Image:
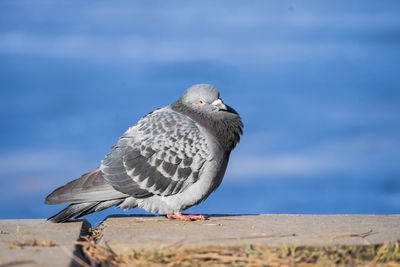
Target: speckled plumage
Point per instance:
(172, 159)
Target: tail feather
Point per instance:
(100, 206)
(87, 194)
(78, 210)
(90, 187)
(71, 211)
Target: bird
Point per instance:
(171, 159)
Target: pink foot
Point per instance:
(189, 217)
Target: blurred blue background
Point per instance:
(317, 84)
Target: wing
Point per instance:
(162, 154)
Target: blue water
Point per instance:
(316, 83)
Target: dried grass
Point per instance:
(29, 243)
(387, 255)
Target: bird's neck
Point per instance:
(226, 129)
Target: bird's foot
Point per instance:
(182, 217)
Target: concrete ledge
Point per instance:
(39, 243)
(123, 234)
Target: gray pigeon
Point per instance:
(172, 159)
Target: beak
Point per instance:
(219, 104)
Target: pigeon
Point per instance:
(171, 159)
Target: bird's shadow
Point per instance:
(208, 216)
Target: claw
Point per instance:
(189, 217)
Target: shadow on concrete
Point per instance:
(208, 216)
(78, 252)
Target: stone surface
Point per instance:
(18, 237)
(140, 232)
(123, 234)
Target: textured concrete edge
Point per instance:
(251, 253)
(257, 255)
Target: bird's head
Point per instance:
(203, 98)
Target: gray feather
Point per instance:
(71, 211)
(89, 187)
(80, 209)
(162, 155)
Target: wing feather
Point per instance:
(162, 154)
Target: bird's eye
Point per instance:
(201, 102)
